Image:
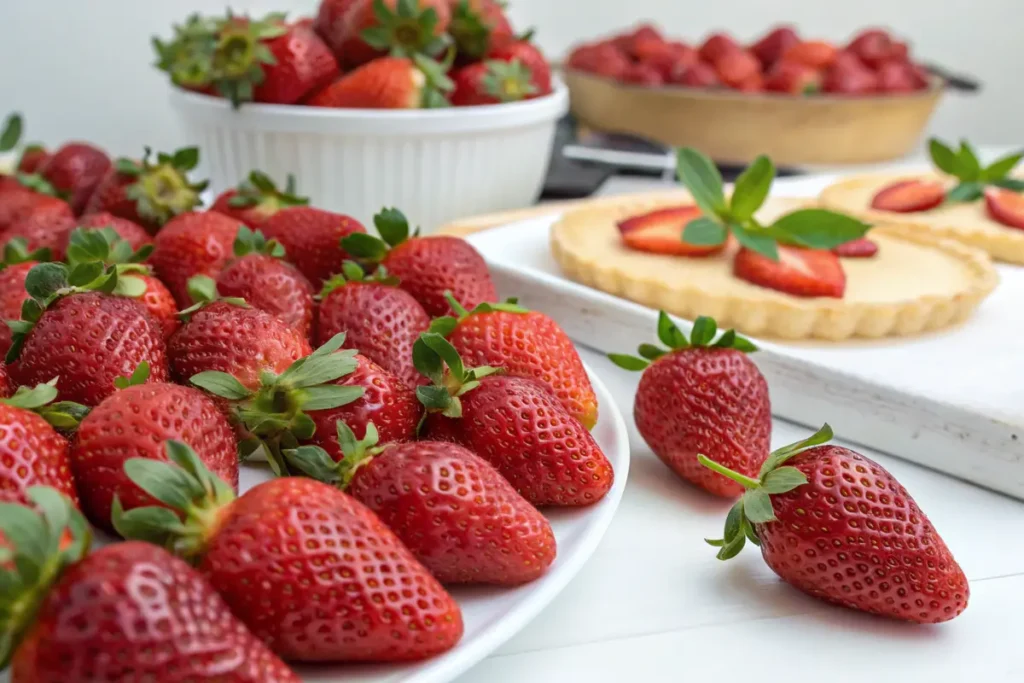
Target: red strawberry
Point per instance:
(799, 272)
(312, 239)
(148, 193)
(737, 67)
(388, 83)
(32, 159)
(839, 527)
(193, 244)
(793, 78)
(6, 386)
(720, 406)
(15, 268)
(42, 231)
(909, 196)
(359, 31)
(294, 552)
(132, 233)
(75, 170)
(661, 232)
(774, 44)
(421, 492)
(478, 26)
(134, 422)
(302, 64)
(32, 453)
(817, 54)
(898, 77)
(602, 60)
(875, 46)
(87, 338)
(378, 319)
(1005, 206)
(650, 50)
(137, 612)
(516, 424)
(642, 74)
(644, 32)
(19, 203)
(859, 248)
(716, 46)
(256, 199)
(527, 54)
(260, 276)
(491, 82)
(523, 344)
(753, 83)
(700, 75)
(848, 76)
(427, 267)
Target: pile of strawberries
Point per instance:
(368, 54)
(781, 61)
(414, 423)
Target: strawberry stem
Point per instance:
(742, 480)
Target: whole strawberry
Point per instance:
(20, 202)
(14, 269)
(294, 552)
(74, 170)
(139, 613)
(377, 318)
(256, 199)
(124, 426)
(492, 82)
(6, 386)
(32, 452)
(47, 230)
(193, 244)
(514, 423)
(532, 59)
(260, 276)
(132, 233)
(312, 239)
(149, 193)
(479, 26)
(360, 31)
(840, 528)
(427, 267)
(388, 83)
(702, 396)
(74, 329)
(32, 158)
(522, 343)
(421, 491)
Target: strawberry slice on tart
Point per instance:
(910, 196)
(1005, 206)
(661, 232)
(799, 271)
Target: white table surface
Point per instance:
(653, 604)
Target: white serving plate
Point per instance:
(950, 400)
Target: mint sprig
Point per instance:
(962, 163)
(809, 228)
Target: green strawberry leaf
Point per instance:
(330, 396)
(702, 178)
(221, 384)
(751, 188)
(46, 279)
(780, 456)
(139, 376)
(627, 362)
(669, 334)
(783, 480)
(704, 330)
(651, 352)
(426, 361)
(392, 225)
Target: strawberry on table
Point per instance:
(359, 31)
(860, 248)
(420, 491)
(74, 170)
(530, 56)
(256, 199)
(388, 83)
(427, 267)
(840, 528)
(134, 606)
(293, 552)
(661, 232)
(909, 196)
(193, 244)
(702, 395)
(312, 239)
(479, 26)
(491, 82)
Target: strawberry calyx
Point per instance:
(16, 251)
(276, 414)
(41, 400)
(436, 359)
(187, 58)
(139, 376)
(202, 289)
(703, 335)
(249, 241)
(10, 132)
(162, 190)
(39, 184)
(508, 81)
(353, 272)
(393, 227)
(470, 31)
(106, 246)
(445, 325)
(963, 164)
(38, 543)
(405, 31)
(195, 497)
(755, 505)
(259, 192)
(315, 462)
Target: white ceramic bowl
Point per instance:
(435, 165)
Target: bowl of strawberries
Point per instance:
(372, 102)
(800, 101)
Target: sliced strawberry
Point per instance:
(859, 248)
(909, 196)
(1005, 206)
(661, 232)
(800, 272)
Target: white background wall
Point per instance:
(81, 68)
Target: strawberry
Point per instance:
(478, 26)
(134, 422)
(716, 46)
(700, 75)
(602, 60)
(798, 272)
(909, 196)
(516, 424)
(32, 452)
(899, 77)
(256, 199)
(73, 329)
(642, 33)
(388, 83)
(312, 239)
(359, 31)
(378, 319)
(6, 386)
(793, 78)
(770, 48)
(859, 248)
(32, 159)
(817, 54)
(302, 64)
(753, 83)
(1005, 206)
(737, 67)
(522, 343)
(14, 269)
(661, 232)
(524, 52)
(672, 59)
(427, 267)
(840, 528)
(146, 193)
(293, 552)
(138, 613)
(848, 76)
(420, 490)
(642, 74)
(19, 202)
(875, 47)
(75, 170)
(719, 405)
(491, 82)
(42, 231)
(229, 336)
(258, 275)
(193, 244)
